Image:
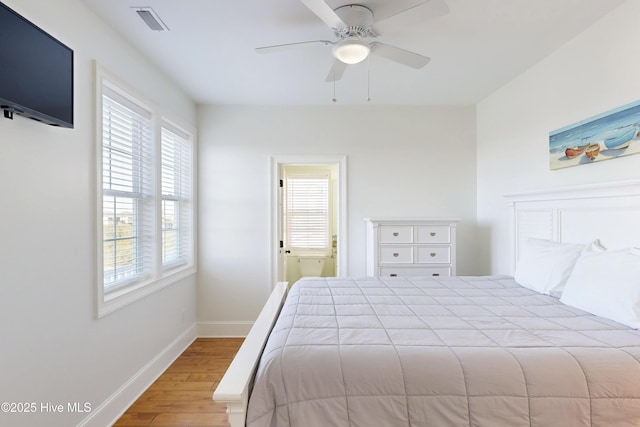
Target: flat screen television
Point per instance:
(36, 72)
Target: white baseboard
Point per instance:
(111, 409)
(223, 329)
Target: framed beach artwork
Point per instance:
(612, 134)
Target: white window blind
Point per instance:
(176, 196)
(307, 212)
(145, 175)
(127, 151)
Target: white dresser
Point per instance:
(411, 247)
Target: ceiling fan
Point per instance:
(354, 25)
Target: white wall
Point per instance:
(593, 73)
(53, 349)
(401, 161)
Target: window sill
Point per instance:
(115, 300)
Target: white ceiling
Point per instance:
(476, 48)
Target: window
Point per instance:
(307, 212)
(176, 193)
(127, 144)
(145, 173)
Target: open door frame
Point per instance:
(339, 161)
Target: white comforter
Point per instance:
(460, 351)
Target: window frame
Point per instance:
(157, 276)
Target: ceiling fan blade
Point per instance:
(324, 12)
(401, 56)
(289, 46)
(336, 71)
(421, 12)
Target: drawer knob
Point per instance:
(395, 254)
(395, 234)
(435, 274)
(433, 254)
(433, 233)
(393, 275)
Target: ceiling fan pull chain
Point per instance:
(334, 86)
(368, 79)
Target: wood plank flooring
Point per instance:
(181, 397)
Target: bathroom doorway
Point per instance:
(309, 217)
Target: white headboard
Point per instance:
(579, 214)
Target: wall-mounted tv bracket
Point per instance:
(8, 112)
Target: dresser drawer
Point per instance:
(433, 255)
(396, 234)
(415, 271)
(396, 254)
(434, 234)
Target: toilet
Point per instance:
(311, 266)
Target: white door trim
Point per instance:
(340, 161)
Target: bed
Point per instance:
(476, 351)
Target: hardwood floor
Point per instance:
(181, 397)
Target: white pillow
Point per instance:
(544, 266)
(607, 284)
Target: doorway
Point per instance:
(288, 245)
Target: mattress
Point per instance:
(459, 351)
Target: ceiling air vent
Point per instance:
(151, 18)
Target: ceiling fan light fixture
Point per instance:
(351, 51)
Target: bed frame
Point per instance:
(235, 386)
(578, 214)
